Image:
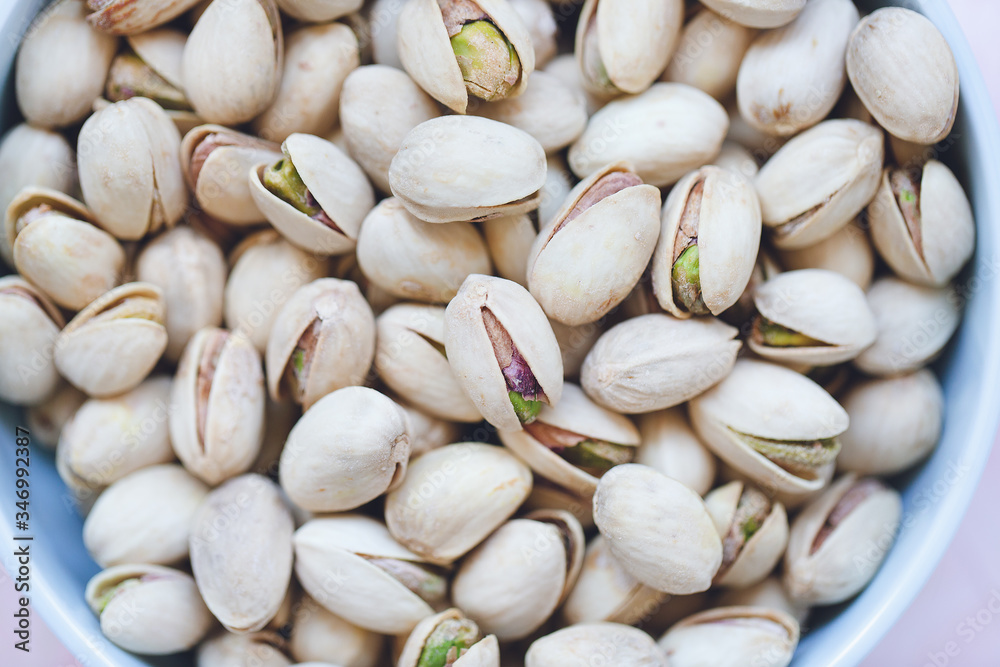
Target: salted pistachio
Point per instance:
(131, 523)
(819, 181)
(769, 594)
(656, 361)
(29, 326)
(319, 11)
(318, 59)
(848, 252)
(372, 566)
(217, 405)
(777, 427)
(113, 343)
(540, 20)
(811, 316)
(502, 351)
(758, 13)
(47, 419)
(782, 100)
(914, 324)
(729, 636)
(241, 552)
(158, 79)
(547, 496)
(449, 639)
(574, 442)
(922, 224)
(228, 649)
(664, 133)
(830, 556)
(669, 445)
(709, 237)
(623, 48)
(548, 110)
(318, 634)
(373, 137)
(442, 521)
(709, 52)
(592, 643)
(455, 49)
(233, 60)
(439, 173)
(735, 157)
(595, 249)
(904, 71)
(323, 339)
(754, 532)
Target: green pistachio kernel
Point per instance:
(110, 593)
(525, 409)
(453, 636)
(775, 335)
(489, 64)
(283, 181)
(686, 279)
(598, 456)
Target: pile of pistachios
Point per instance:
(422, 334)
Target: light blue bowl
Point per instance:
(935, 496)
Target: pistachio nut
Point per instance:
(782, 100)
(80, 494)
(61, 65)
(623, 47)
(47, 419)
(735, 157)
(595, 249)
(319, 11)
(922, 223)
(754, 532)
(151, 68)
(540, 20)
(819, 181)
(318, 634)
(848, 252)
(770, 594)
(440, 511)
(128, 17)
(227, 649)
(113, 343)
(384, 42)
(548, 110)
(592, 643)
(811, 316)
(241, 552)
(546, 496)
(427, 432)
(130, 523)
(574, 443)
(914, 324)
(148, 609)
(323, 339)
(760, 144)
(656, 361)
(233, 60)
(449, 639)
(440, 174)
(757, 13)
(29, 326)
(830, 556)
(455, 49)
(670, 446)
(368, 565)
(664, 133)
(574, 344)
(709, 52)
(58, 247)
(502, 351)
(732, 636)
(217, 405)
(895, 422)
(509, 239)
(373, 136)
(904, 71)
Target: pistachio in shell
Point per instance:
(29, 325)
(754, 532)
(449, 639)
(757, 13)
(733, 635)
(595, 642)
(709, 52)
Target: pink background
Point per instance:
(956, 618)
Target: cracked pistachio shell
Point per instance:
(914, 324)
(819, 181)
(820, 304)
(848, 252)
(579, 415)
(757, 13)
(334, 180)
(770, 594)
(826, 564)
(709, 52)
(548, 110)
(233, 60)
(559, 180)
(549, 497)
(322, 340)
(731, 637)
(656, 361)
(217, 405)
(29, 327)
(241, 552)
(664, 132)
(319, 11)
(895, 422)
(128, 17)
(113, 343)
(426, 52)
(58, 247)
(162, 50)
(727, 234)
(905, 74)
(591, 255)
(509, 239)
(670, 446)
(318, 634)
(768, 401)
(409, 358)
(47, 419)
(472, 354)
(467, 168)
(155, 610)
(756, 556)
(333, 563)
(944, 233)
(594, 643)
(318, 59)
(215, 161)
(227, 649)
(130, 172)
(782, 100)
(61, 66)
(484, 652)
(441, 512)
(131, 523)
(540, 20)
(373, 136)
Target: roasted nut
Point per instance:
(733, 635)
(754, 532)
(709, 52)
(670, 446)
(588, 643)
